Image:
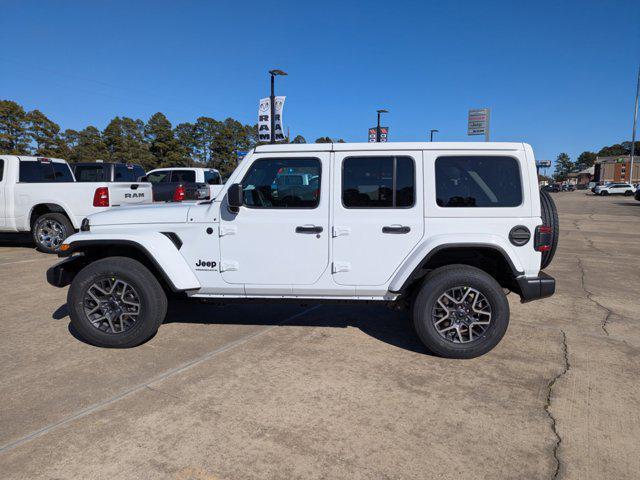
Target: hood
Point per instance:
(143, 214)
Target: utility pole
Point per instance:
(633, 133)
(378, 127)
(272, 101)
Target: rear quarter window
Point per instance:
(478, 181)
(36, 172)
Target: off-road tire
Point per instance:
(58, 219)
(550, 219)
(439, 281)
(153, 302)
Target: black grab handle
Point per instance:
(396, 229)
(308, 229)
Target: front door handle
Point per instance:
(396, 229)
(308, 229)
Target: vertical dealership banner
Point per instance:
(478, 123)
(264, 119)
(384, 133)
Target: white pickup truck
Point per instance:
(41, 195)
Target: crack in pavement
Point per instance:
(607, 311)
(547, 406)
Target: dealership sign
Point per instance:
(264, 119)
(478, 123)
(384, 133)
(543, 163)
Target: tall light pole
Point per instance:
(378, 127)
(432, 132)
(272, 101)
(633, 133)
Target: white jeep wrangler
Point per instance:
(443, 228)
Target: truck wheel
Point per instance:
(50, 230)
(460, 312)
(549, 218)
(116, 302)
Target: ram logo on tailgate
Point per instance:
(134, 195)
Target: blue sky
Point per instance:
(558, 75)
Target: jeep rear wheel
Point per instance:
(116, 302)
(460, 312)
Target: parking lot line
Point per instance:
(174, 371)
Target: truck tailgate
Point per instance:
(128, 193)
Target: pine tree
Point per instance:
(163, 144)
(44, 133)
(14, 138)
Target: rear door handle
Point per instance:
(396, 229)
(308, 229)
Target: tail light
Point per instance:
(543, 238)
(101, 197)
(178, 194)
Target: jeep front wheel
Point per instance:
(116, 302)
(460, 312)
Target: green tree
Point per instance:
(124, 139)
(564, 166)
(86, 145)
(585, 160)
(163, 144)
(323, 140)
(45, 133)
(613, 150)
(205, 130)
(299, 139)
(185, 133)
(231, 137)
(14, 138)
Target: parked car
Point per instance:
(40, 195)
(554, 187)
(441, 228)
(107, 172)
(568, 187)
(614, 189)
(637, 194)
(176, 184)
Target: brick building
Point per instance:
(616, 169)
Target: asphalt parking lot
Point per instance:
(248, 391)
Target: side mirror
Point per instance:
(143, 179)
(235, 196)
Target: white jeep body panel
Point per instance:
(258, 252)
(74, 199)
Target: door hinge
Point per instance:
(341, 267)
(228, 230)
(229, 266)
(340, 231)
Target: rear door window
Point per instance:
(62, 172)
(36, 172)
(478, 181)
(1, 169)
(212, 177)
(127, 173)
(183, 176)
(378, 182)
(159, 177)
(90, 173)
